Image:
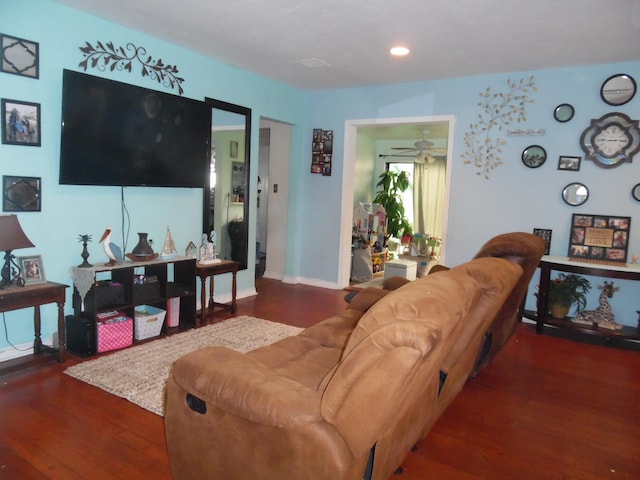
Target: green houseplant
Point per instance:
(564, 291)
(390, 186)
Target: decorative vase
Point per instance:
(559, 311)
(142, 249)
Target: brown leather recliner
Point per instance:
(526, 250)
(344, 399)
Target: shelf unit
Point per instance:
(627, 337)
(125, 286)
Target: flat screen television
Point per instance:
(118, 134)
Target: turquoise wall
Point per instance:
(68, 211)
(514, 198)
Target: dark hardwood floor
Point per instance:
(545, 409)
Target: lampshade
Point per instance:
(11, 234)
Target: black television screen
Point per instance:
(119, 134)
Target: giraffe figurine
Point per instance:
(602, 316)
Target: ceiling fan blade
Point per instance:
(437, 151)
(406, 149)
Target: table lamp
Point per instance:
(11, 238)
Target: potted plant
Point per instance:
(564, 291)
(391, 185)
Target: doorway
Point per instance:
(274, 156)
(353, 133)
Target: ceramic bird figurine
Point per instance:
(111, 249)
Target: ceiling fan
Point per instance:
(424, 149)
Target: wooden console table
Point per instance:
(16, 298)
(563, 264)
(210, 270)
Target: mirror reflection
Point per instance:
(618, 89)
(226, 207)
(575, 194)
(563, 113)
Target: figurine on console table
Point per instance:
(84, 239)
(111, 249)
(208, 250)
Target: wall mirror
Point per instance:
(575, 194)
(618, 89)
(563, 113)
(635, 192)
(226, 197)
(534, 156)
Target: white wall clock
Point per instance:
(611, 140)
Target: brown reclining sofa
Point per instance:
(350, 396)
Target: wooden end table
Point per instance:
(16, 298)
(210, 270)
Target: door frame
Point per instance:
(348, 172)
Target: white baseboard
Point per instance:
(20, 350)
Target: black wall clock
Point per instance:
(611, 140)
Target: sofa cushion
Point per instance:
(429, 299)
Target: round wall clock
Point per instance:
(611, 140)
(534, 156)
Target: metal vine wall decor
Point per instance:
(499, 110)
(107, 55)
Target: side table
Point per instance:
(16, 298)
(627, 337)
(210, 270)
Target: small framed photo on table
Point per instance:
(545, 234)
(32, 269)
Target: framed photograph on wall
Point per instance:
(545, 234)
(322, 152)
(19, 56)
(601, 238)
(20, 122)
(32, 269)
(569, 163)
(21, 194)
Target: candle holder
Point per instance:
(84, 239)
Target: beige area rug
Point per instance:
(139, 373)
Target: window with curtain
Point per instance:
(425, 197)
(407, 195)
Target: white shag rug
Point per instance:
(139, 373)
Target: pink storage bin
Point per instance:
(114, 332)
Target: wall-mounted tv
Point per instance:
(118, 134)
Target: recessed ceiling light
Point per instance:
(399, 51)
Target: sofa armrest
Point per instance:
(365, 298)
(241, 386)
